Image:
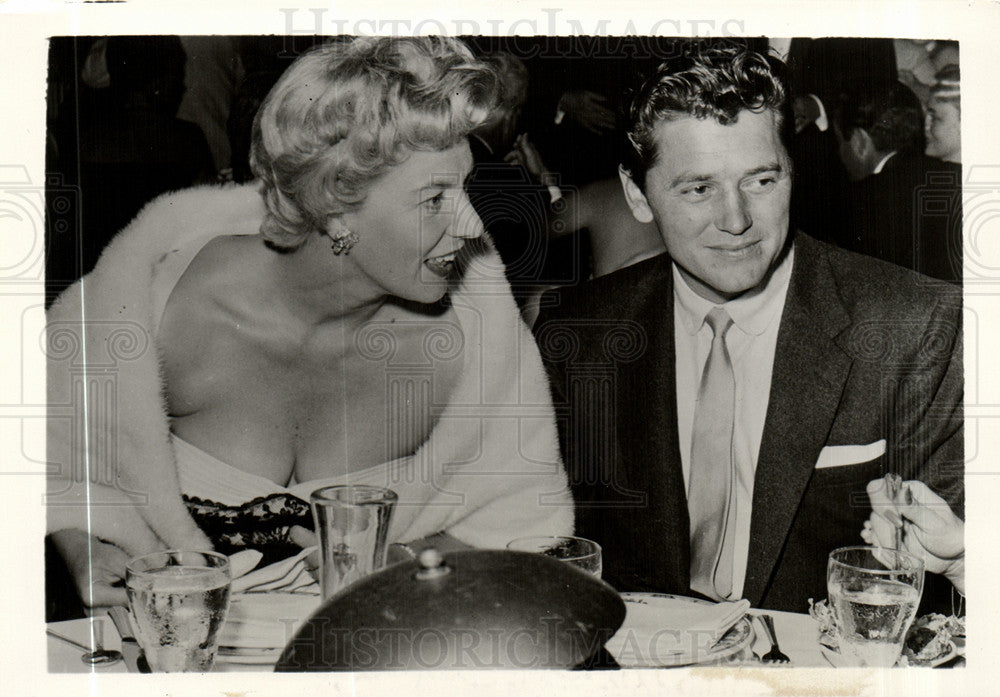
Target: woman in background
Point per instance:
(944, 117)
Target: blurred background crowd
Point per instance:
(876, 146)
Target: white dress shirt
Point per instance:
(751, 341)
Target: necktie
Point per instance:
(711, 490)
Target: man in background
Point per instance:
(904, 206)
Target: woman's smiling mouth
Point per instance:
(442, 265)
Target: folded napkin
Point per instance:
(289, 575)
(662, 629)
(243, 562)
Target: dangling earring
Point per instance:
(343, 239)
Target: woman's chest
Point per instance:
(338, 403)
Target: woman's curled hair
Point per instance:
(346, 112)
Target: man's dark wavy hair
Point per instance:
(891, 115)
(705, 80)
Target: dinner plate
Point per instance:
(647, 640)
(834, 658)
(260, 624)
(247, 656)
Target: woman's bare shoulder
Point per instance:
(221, 280)
(226, 257)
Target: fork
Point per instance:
(774, 655)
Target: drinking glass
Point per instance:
(179, 601)
(352, 523)
(579, 551)
(874, 594)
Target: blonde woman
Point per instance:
(341, 320)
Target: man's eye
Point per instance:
(761, 183)
(697, 191)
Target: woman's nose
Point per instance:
(467, 223)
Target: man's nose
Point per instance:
(734, 213)
(467, 223)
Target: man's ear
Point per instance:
(861, 144)
(635, 198)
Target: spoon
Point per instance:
(100, 655)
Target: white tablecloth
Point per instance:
(797, 636)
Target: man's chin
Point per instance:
(748, 281)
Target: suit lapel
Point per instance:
(808, 379)
(651, 438)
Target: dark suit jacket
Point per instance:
(910, 214)
(866, 351)
(820, 185)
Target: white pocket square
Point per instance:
(841, 455)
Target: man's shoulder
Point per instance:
(621, 293)
(871, 288)
(914, 169)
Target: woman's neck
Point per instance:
(319, 286)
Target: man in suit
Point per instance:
(723, 406)
(903, 206)
(819, 70)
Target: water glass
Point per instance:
(579, 551)
(352, 523)
(179, 601)
(874, 594)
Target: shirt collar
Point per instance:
(881, 164)
(752, 312)
(486, 145)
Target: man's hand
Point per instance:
(932, 531)
(588, 109)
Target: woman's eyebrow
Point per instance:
(445, 181)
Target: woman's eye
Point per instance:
(434, 203)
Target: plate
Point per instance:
(943, 658)
(247, 656)
(262, 623)
(834, 658)
(643, 641)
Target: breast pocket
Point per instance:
(835, 506)
(861, 472)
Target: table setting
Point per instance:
(539, 603)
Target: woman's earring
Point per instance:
(343, 239)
